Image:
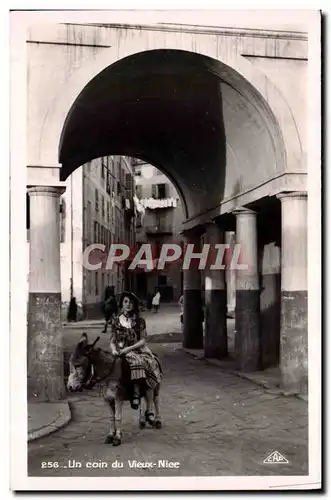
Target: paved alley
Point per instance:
(214, 423)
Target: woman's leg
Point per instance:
(150, 400)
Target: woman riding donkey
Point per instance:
(128, 340)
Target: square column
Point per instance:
(45, 349)
(247, 339)
(216, 340)
(294, 328)
(193, 307)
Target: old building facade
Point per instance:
(96, 208)
(160, 224)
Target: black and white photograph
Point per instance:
(165, 199)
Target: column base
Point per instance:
(45, 348)
(216, 340)
(294, 341)
(247, 341)
(193, 320)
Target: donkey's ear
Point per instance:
(83, 340)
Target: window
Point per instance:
(103, 207)
(158, 191)
(96, 283)
(103, 170)
(108, 187)
(108, 211)
(95, 231)
(96, 201)
(88, 220)
(116, 168)
(129, 184)
(161, 191)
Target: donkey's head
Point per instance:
(81, 365)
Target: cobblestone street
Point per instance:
(214, 423)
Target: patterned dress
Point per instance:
(143, 364)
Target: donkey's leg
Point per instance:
(142, 416)
(110, 400)
(118, 419)
(150, 418)
(158, 421)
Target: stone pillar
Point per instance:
(193, 307)
(45, 350)
(294, 341)
(216, 341)
(247, 340)
(230, 274)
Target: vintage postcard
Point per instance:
(165, 231)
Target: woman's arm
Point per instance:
(113, 349)
(133, 347)
(141, 342)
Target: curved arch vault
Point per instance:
(193, 117)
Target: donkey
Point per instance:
(89, 366)
(119, 389)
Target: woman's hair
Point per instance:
(133, 298)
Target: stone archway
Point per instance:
(225, 129)
(193, 117)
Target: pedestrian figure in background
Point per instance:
(181, 305)
(72, 310)
(156, 301)
(109, 305)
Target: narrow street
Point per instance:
(214, 423)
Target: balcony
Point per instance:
(158, 229)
